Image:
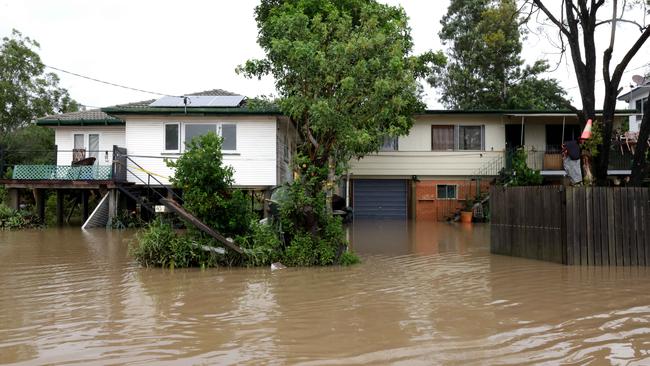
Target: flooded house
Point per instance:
(450, 158)
(120, 151)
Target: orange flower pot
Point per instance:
(466, 216)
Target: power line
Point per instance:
(109, 83)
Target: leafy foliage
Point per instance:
(207, 187)
(520, 174)
(160, 246)
(26, 91)
(11, 219)
(29, 145)
(485, 68)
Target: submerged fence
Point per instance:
(602, 226)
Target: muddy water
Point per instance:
(426, 293)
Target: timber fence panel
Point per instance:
(569, 218)
(575, 225)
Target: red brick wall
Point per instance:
(428, 206)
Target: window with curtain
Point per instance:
(390, 143)
(442, 138)
(470, 138)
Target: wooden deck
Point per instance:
(57, 184)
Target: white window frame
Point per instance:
(447, 185)
(219, 132)
(101, 153)
(178, 143)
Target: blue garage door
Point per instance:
(380, 198)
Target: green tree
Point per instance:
(207, 187)
(26, 91)
(346, 78)
(485, 68)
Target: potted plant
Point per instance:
(466, 213)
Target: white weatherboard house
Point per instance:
(636, 99)
(258, 144)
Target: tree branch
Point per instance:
(641, 27)
(551, 17)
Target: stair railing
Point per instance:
(147, 184)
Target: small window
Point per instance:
(229, 135)
(390, 143)
(442, 138)
(446, 192)
(78, 141)
(194, 130)
(470, 138)
(639, 108)
(171, 137)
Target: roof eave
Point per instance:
(188, 111)
(79, 122)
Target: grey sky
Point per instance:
(176, 47)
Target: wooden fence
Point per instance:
(601, 226)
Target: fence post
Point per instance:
(563, 226)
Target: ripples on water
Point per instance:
(426, 293)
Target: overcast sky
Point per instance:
(178, 47)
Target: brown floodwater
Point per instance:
(426, 293)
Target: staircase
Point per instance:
(173, 201)
(135, 194)
(489, 170)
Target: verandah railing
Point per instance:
(109, 165)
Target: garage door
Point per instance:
(380, 198)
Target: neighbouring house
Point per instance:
(636, 99)
(450, 157)
(123, 148)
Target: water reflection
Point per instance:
(426, 293)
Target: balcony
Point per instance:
(62, 172)
(549, 162)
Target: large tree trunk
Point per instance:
(329, 185)
(640, 162)
(602, 160)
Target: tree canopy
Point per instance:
(485, 69)
(344, 71)
(26, 90)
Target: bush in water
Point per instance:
(160, 246)
(11, 219)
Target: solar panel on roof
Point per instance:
(200, 101)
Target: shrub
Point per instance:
(159, 245)
(262, 247)
(11, 219)
(207, 187)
